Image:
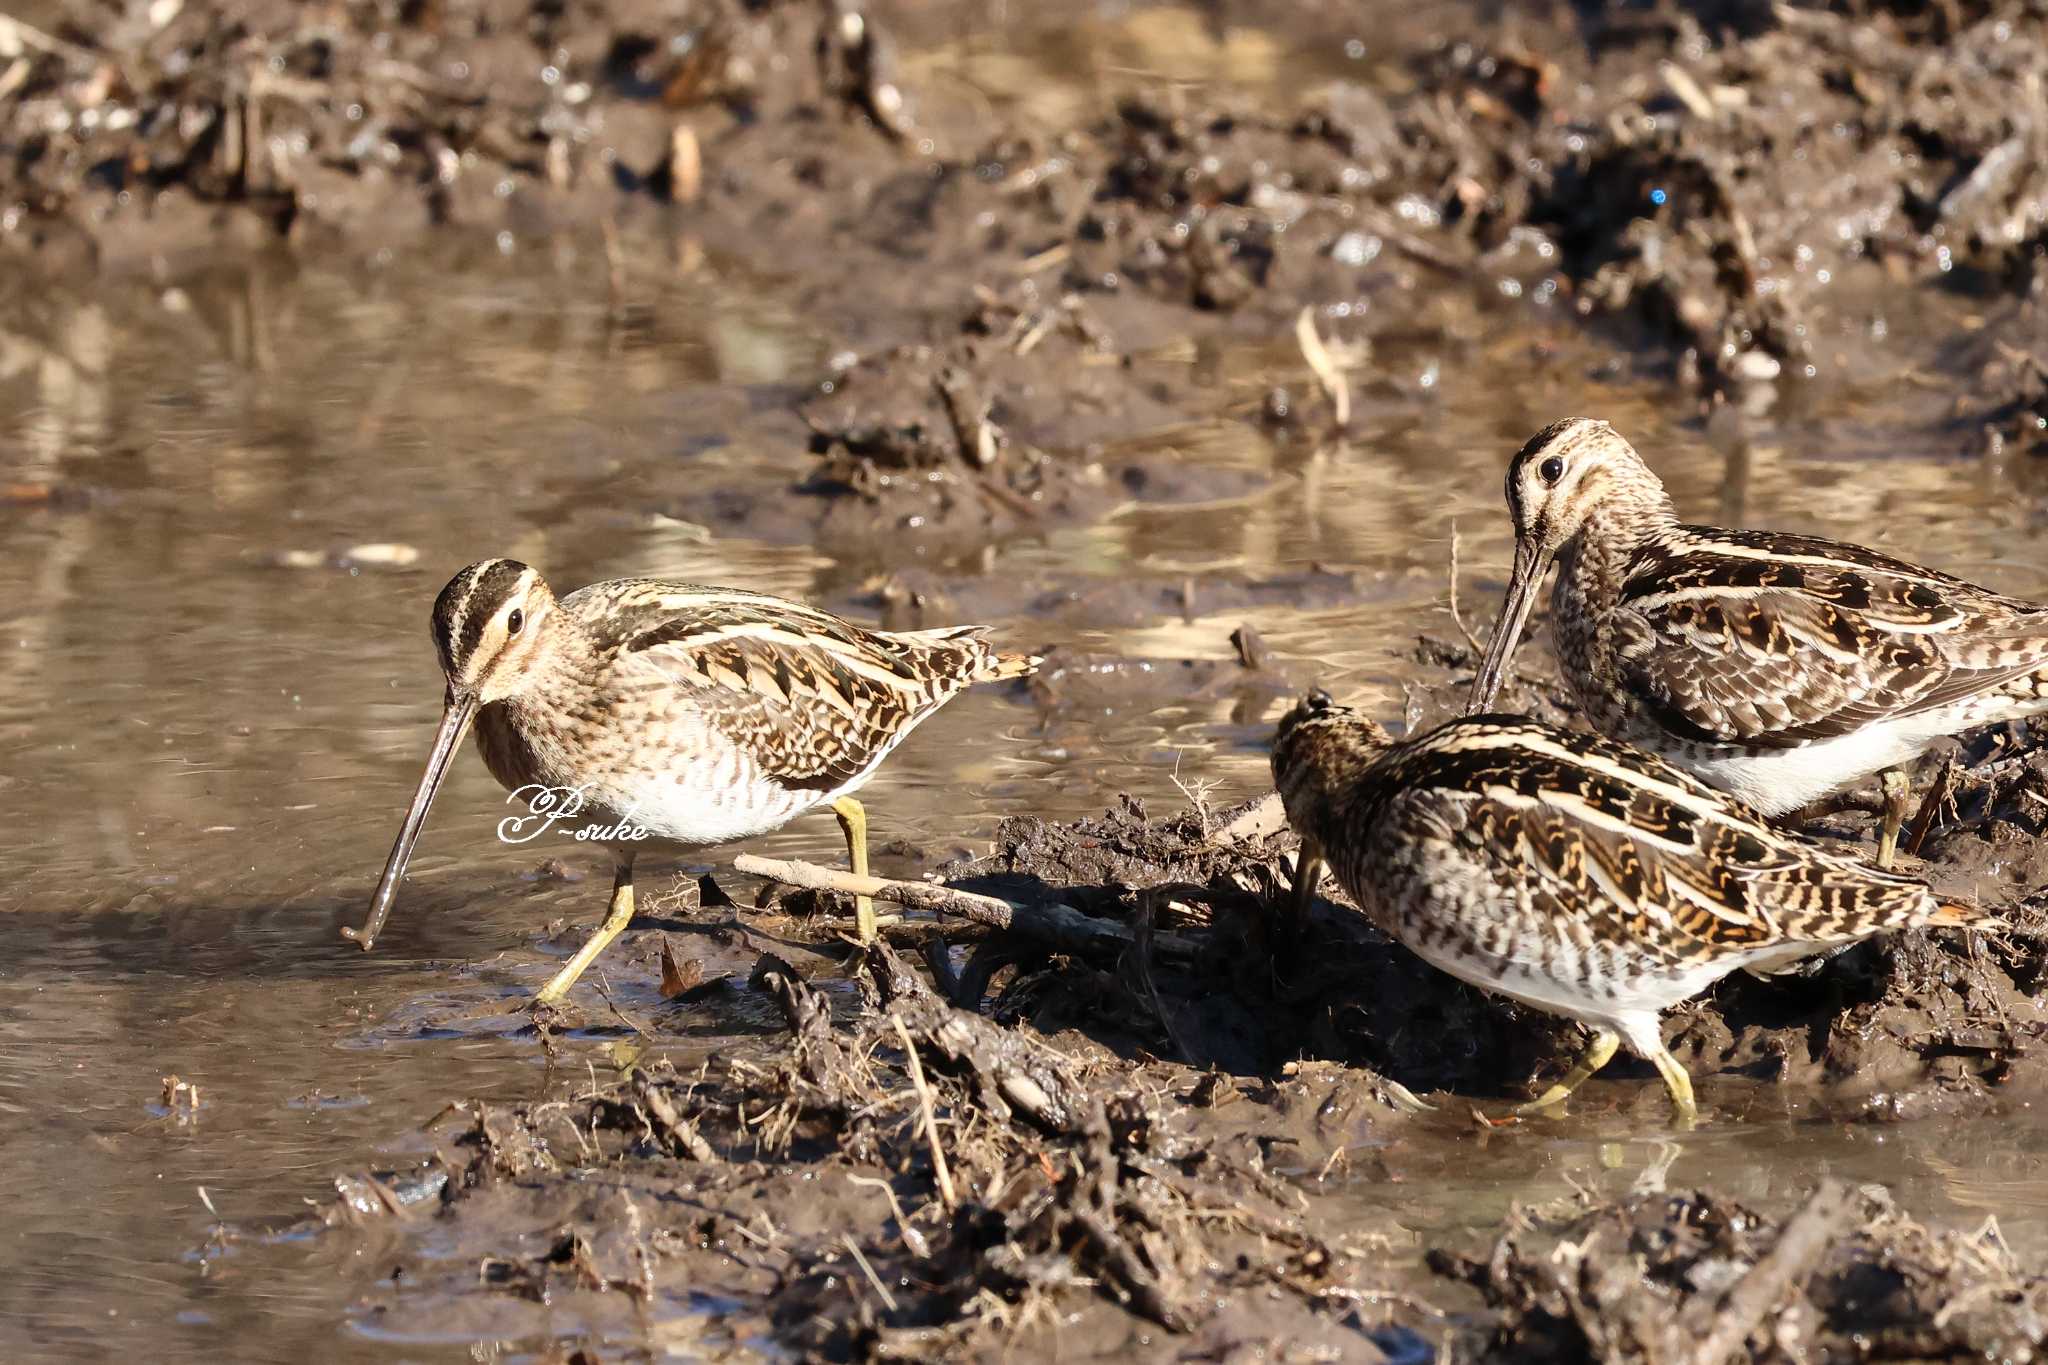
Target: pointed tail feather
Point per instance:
(1010, 666)
(1960, 915)
(966, 643)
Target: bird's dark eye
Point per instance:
(514, 622)
(1551, 470)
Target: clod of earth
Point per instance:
(1702, 1280)
(1014, 1178)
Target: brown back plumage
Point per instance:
(1584, 835)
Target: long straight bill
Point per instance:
(1514, 614)
(447, 740)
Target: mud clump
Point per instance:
(1694, 1277)
(948, 437)
(918, 1181)
(1049, 1130)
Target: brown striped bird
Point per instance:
(642, 710)
(1780, 668)
(1570, 872)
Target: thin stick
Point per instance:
(1930, 809)
(604, 991)
(912, 1238)
(1323, 366)
(931, 1122)
(1799, 1248)
(614, 261)
(1141, 962)
(1457, 617)
(17, 35)
(873, 1278)
(1060, 925)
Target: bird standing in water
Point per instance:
(1569, 872)
(1777, 667)
(687, 714)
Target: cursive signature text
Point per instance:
(549, 806)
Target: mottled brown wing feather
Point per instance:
(1770, 655)
(812, 723)
(1683, 881)
(813, 698)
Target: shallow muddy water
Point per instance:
(211, 718)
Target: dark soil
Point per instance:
(1698, 1278)
(1739, 185)
(918, 1182)
(1132, 1125)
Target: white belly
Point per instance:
(697, 815)
(1780, 780)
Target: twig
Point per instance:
(943, 1176)
(604, 992)
(1805, 1239)
(1458, 617)
(15, 36)
(873, 1278)
(1686, 90)
(1937, 797)
(1141, 963)
(1052, 255)
(1197, 794)
(1383, 225)
(980, 440)
(614, 261)
(671, 1123)
(685, 165)
(1060, 925)
(1324, 366)
(912, 1238)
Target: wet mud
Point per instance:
(1740, 186)
(1693, 1277)
(1084, 323)
(920, 1180)
(1039, 1133)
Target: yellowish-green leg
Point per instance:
(853, 823)
(1308, 874)
(1598, 1053)
(621, 914)
(1679, 1084)
(1898, 797)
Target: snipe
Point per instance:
(1572, 873)
(694, 714)
(1777, 667)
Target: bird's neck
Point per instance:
(1594, 565)
(568, 661)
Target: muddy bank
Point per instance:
(916, 1180)
(1019, 280)
(1699, 1278)
(1117, 1120)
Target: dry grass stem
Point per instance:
(940, 1174)
(1324, 366)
